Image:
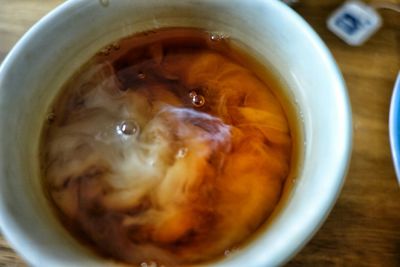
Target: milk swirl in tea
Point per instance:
(166, 148)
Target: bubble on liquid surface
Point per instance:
(151, 162)
(51, 117)
(229, 252)
(181, 152)
(215, 37)
(141, 75)
(192, 93)
(197, 99)
(128, 127)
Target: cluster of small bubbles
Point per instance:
(150, 264)
(217, 37)
(107, 50)
(104, 2)
(197, 99)
(51, 117)
(116, 46)
(181, 152)
(128, 127)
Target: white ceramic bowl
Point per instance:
(394, 127)
(57, 45)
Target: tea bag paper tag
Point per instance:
(354, 22)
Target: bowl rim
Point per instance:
(346, 147)
(394, 127)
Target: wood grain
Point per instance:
(364, 226)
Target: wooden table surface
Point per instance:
(364, 227)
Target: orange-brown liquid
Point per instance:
(166, 148)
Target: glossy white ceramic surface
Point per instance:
(394, 127)
(55, 47)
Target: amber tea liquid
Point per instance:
(167, 148)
